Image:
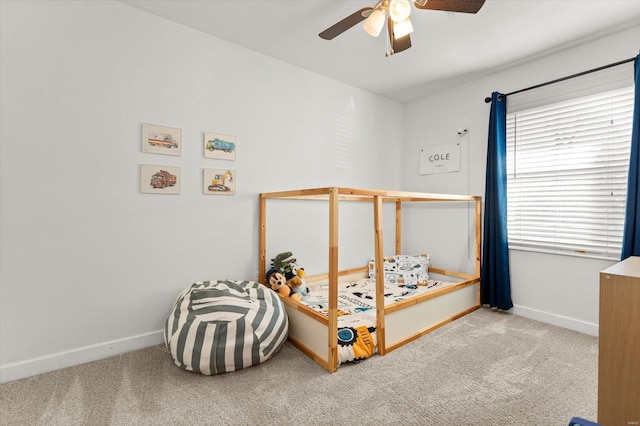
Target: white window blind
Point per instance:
(567, 167)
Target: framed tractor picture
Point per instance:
(161, 139)
(159, 179)
(219, 181)
(219, 146)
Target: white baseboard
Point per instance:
(31, 367)
(558, 320)
(34, 366)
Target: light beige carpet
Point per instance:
(487, 368)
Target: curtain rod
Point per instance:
(488, 100)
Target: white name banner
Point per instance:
(440, 159)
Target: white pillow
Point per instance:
(403, 269)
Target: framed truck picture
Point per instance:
(219, 146)
(219, 181)
(161, 139)
(156, 179)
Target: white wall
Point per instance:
(90, 266)
(561, 290)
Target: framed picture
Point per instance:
(219, 146)
(155, 179)
(161, 139)
(440, 159)
(219, 181)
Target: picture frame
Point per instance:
(219, 181)
(219, 146)
(440, 159)
(161, 139)
(159, 179)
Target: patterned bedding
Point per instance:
(357, 312)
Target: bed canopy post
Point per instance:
(263, 239)
(478, 243)
(332, 359)
(377, 224)
(398, 227)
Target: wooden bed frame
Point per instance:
(396, 324)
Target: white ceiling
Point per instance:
(448, 48)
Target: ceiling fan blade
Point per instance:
(401, 44)
(348, 22)
(462, 6)
(397, 44)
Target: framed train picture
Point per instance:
(155, 179)
(219, 146)
(219, 181)
(161, 139)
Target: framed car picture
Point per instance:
(155, 179)
(219, 181)
(219, 146)
(161, 139)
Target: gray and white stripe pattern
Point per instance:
(221, 326)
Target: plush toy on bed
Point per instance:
(278, 283)
(294, 275)
(282, 260)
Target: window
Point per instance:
(567, 169)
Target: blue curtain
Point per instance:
(631, 238)
(495, 289)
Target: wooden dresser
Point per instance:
(619, 344)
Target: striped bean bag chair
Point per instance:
(221, 326)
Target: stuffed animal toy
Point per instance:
(295, 278)
(278, 283)
(282, 260)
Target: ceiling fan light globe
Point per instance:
(374, 23)
(399, 10)
(401, 29)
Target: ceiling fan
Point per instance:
(396, 14)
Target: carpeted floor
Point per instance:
(487, 368)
